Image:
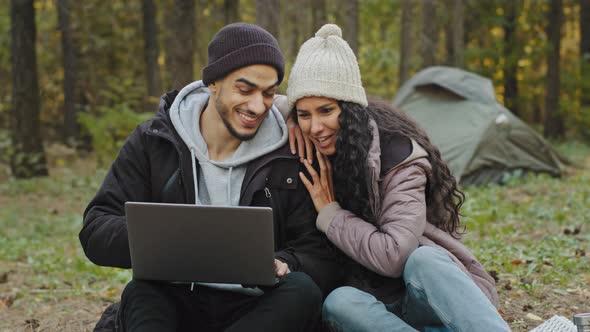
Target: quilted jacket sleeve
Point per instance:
(384, 247)
(104, 233)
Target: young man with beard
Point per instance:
(219, 141)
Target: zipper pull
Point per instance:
(267, 192)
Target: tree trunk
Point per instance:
(268, 16)
(290, 26)
(151, 50)
(585, 50)
(28, 159)
(554, 125)
(511, 55)
(231, 11)
(318, 14)
(180, 50)
(429, 33)
(71, 127)
(350, 27)
(406, 41)
(457, 34)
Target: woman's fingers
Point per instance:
(330, 177)
(306, 182)
(300, 143)
(323, 171)
(292, 139)
(297, 142)
(314, 175)
(308, 148)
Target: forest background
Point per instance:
(78, 76)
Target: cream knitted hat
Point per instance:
(326, 67)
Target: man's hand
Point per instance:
(281, 268)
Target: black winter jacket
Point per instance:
(154, 166)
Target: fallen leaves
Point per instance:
(494, 274)
(6, 301)
(31, 324)
(534, 317)
(575, 231)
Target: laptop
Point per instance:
(191, 243)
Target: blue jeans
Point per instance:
(439, 297)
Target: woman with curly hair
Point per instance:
(386, 199)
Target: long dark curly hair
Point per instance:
(351, 171)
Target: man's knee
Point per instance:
(141, 293)
(139, 288)
(306, 293)
(146, 304)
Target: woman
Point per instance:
(388, 201)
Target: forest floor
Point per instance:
(532, 234)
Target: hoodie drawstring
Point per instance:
(229, 186)
(193, 159)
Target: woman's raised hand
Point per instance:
(298, 142)
(321, 189)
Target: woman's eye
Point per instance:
(326, 110)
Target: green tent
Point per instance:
(480, 139)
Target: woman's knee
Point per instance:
(341, 302)
(424, 261)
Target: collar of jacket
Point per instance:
(161, 124)
(385, 156)
(395, 153)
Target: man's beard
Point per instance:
(223, 113)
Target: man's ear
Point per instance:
(213, 87)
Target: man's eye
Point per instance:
(269, 94)
(245, 91)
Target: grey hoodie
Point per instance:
(220, 182)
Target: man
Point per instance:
(219, 141)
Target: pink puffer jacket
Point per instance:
(399, 197)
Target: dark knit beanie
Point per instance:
(239, 45)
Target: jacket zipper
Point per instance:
(260, 167)
(375, 191)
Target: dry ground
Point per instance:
(46, 283)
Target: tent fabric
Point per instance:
(480, 139)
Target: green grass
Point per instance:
(522, 230)
(39, 224)
(525, 229)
